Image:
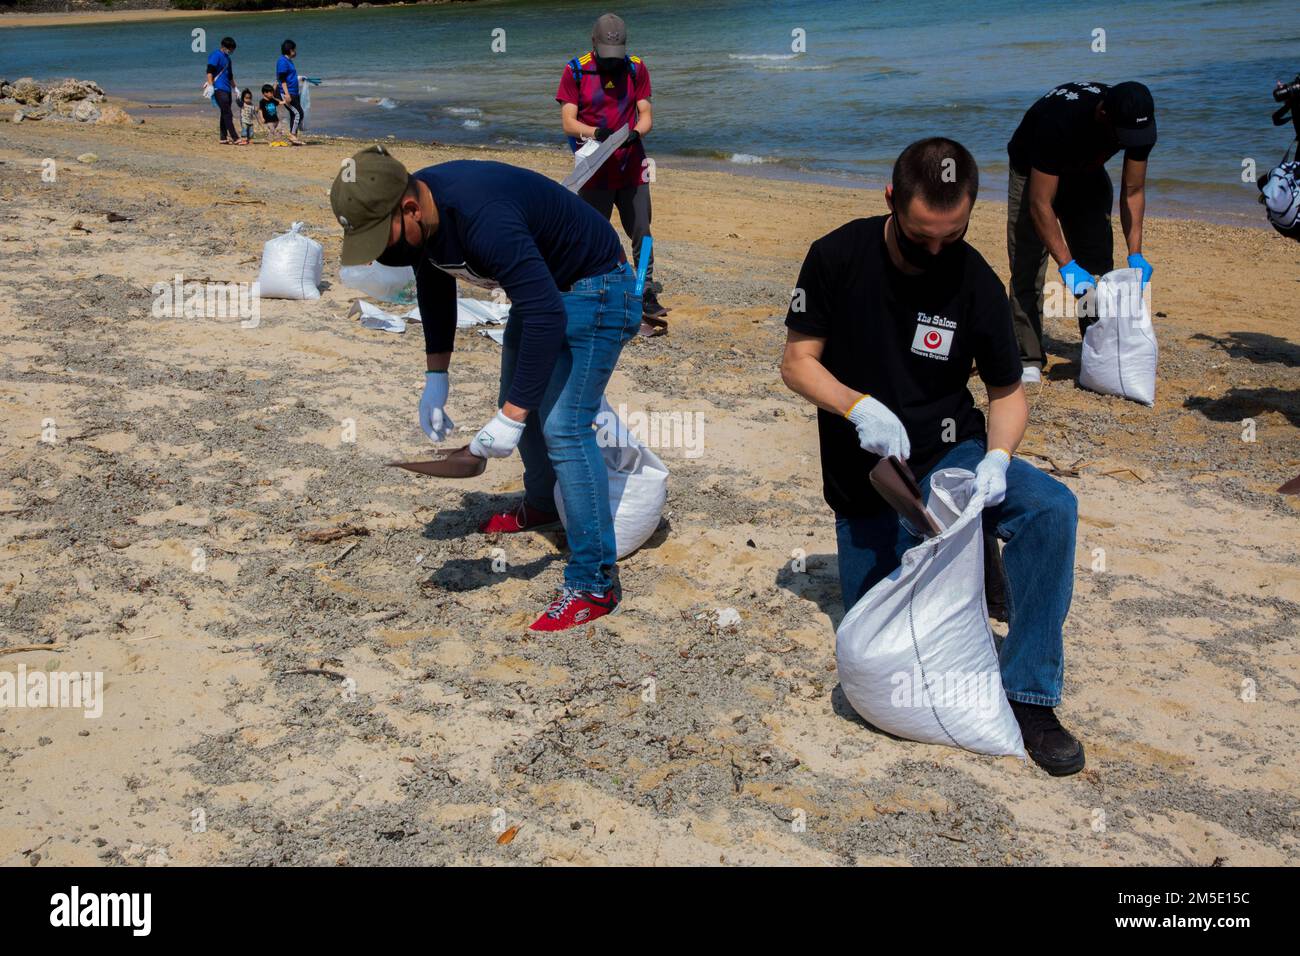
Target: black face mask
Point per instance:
(401, 252)
(919, 257)
(611, 65)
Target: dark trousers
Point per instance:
(295, 114)
(227, 117)
(633, 204)
(1082, 207)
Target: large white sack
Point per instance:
(916, 655)
(1119, 349)
(291, 266)
(377, 280)
(638, 483)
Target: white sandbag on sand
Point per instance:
(378, 280)
(638, 483)
(291, 266)
(1119, 349)
(916, 654)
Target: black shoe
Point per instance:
(1049, 744)
(651, 308)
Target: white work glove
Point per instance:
(991, 477)
(435, 421)
(879, 430)
(498, 438)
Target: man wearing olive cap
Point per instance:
(1059, 196)
(573, 307)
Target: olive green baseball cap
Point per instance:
(363, 197)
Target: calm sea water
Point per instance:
(729, 89)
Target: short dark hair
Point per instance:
(287, 47)
(228, 42)
(941, 171)
(268, 88)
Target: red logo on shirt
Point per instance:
(933, 340)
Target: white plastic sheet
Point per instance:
(373, 317)
(1119, 349)
(291, 266)
(638, 483)
(916, 654)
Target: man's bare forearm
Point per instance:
(807, 377)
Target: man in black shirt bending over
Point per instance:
(1059, 196)
(889, 315)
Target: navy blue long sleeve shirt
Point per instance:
(502, 226)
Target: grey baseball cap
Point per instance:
(610, 36)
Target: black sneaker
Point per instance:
(650, 306)
(1049, 744)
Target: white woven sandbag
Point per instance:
(291, 266)
(638, 483)
(377, 280)
(916, 654)
(1119, 349)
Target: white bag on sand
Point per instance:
(377, 280)
(916, 655)
(291, 266)
(1119, 349)
(638, 483)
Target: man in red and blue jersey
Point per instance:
(601, 91)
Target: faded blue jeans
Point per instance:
(559, 443)
(1037, 521)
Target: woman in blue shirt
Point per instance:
(221, 74)
(286, 80)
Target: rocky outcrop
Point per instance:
(80, 101)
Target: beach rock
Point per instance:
(114, 116)
(26, 91)
(87, 158)
(86, 112)
(18, 117)
(63, 97)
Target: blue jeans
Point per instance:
(559, 443)
(1037, 521)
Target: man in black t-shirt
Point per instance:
(889, 316)
(1059, 196)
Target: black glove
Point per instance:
(602, 133)
(632, 137)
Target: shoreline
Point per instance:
(993, 185)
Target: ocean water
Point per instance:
(730, 88)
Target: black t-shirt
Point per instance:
(908, 342)
(1060, 134)
(268, 111)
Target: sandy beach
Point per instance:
(451, 723)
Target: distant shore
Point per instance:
(90, 17)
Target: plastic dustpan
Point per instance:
(456, 464)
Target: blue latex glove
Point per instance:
(435, 421)
(1138, 261)
(1077, 279)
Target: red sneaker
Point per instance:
(574, 607)
(523, 518)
